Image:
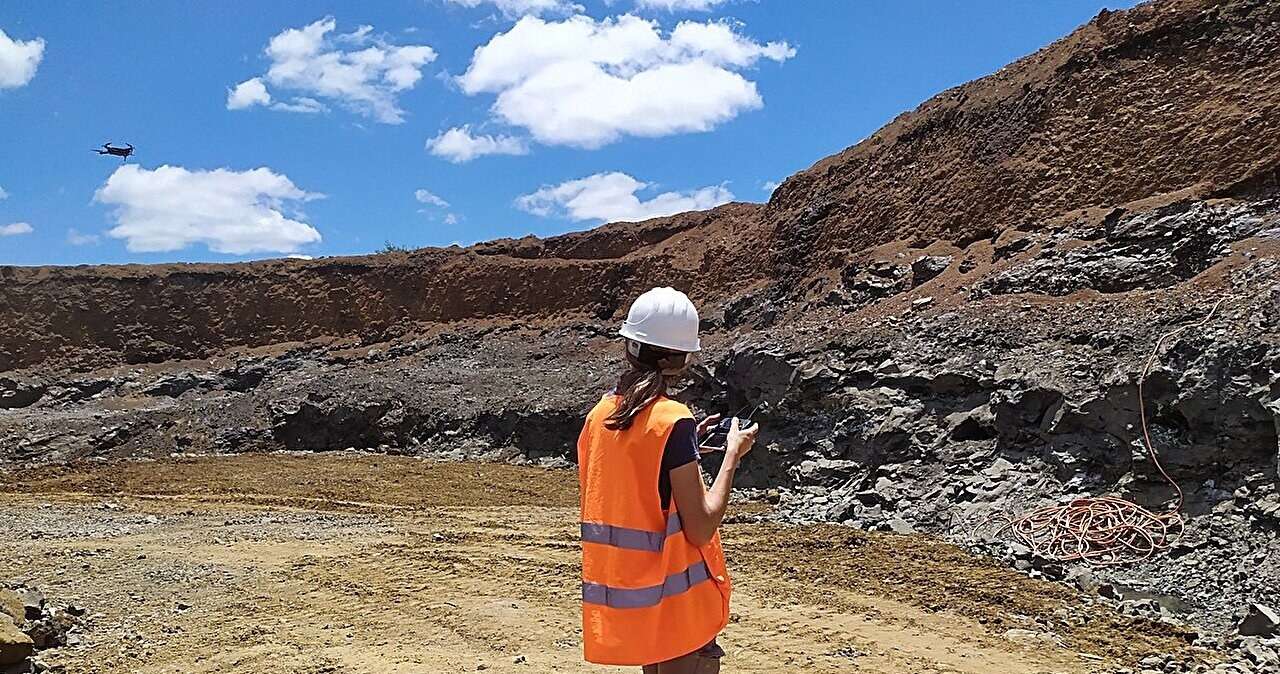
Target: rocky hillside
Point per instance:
(944, 325)
(1171, 100)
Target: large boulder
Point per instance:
(14, 393)
(1260, 621)
(12, 605)
(15, 646)
(928, 268)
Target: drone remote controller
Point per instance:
(717, 437)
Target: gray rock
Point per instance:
(33, 603)
(1031, 637)
(1261, 654)
(15, 394)
(998, 468)
(900, 526)
(929, 267)
(327, 424)
(1261, 621)
(174, 386)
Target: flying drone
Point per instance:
(122, 152)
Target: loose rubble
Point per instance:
(30, 624)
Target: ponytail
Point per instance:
(651, 371)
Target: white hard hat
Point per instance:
(665, 318)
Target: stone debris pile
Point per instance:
(30, 624)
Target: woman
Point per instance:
(655, 591)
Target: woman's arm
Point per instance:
(701, 510)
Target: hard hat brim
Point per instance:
(630, 333)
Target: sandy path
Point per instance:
(200, 583)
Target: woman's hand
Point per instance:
(702, 510)
(706, 425)
(740, 442)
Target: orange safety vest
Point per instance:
(648, 594)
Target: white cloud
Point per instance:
(247, 94)
(3, 194)
(299, 256)
(426, 197)
(237, 212)
(458, 145)
(15, 229)
(451, 219)
(77, 238)
(680, 5)
(356, 70)
(587, 83)
(300, 104)
(19, 60)
(769, 185)
(253, 92)
(512, 8)
(611, 197)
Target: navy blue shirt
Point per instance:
(681, 449)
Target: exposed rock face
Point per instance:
(948, 327)
(885, 416)
(18, 393)
(327, 425)
(1152, 250)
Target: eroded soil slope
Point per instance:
(1173, 99)
(55, 317)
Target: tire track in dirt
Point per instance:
(465, 573)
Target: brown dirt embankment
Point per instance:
(105, 315)
(1174, 98)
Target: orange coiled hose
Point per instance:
(1105, 530)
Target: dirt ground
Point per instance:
(356, 563)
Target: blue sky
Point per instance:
(598, 111)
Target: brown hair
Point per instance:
(651, 371)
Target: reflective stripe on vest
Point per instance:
(631, 539)
(676, 583)
(648, 594)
